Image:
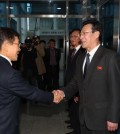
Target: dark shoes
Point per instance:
(70, 132)
(69, 127)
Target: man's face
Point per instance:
(13, 49)
(52, 44)
(75, 38)
(88, 37)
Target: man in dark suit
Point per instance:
(12, 85)
(75, 51)
(52, 59)
(99, 89)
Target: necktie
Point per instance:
(52, 57)
(86, 64)
(73, 53)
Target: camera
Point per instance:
(28, 42)
(36, 40)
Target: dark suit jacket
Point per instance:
(47, 56)
(12, 87)
(99, 91)
(71, 65)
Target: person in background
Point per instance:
(29, 56)
(40, 48)
(73, 103)
(52, 59)
(98, 79)
(13, 86)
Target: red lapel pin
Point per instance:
(99, 68)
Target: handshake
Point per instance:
(58, 96)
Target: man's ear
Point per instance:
(97, 34)
(5, 46)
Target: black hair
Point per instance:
(76, 29)
(52, 40)
(96, 26)
(36, 37)
(28, 41)
(43, 41)
(7, 34)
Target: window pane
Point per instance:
(38, 26)
(39, 7)
(74, 23)
(81, 8)
(75, 8)
(107, 15)
(3, 22)
(2, 8)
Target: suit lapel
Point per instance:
(4, 60)
(79, 52)
(92, 67)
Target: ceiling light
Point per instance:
(59, 8)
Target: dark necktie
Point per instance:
(73, 53)
(52, 57)
(86, 64)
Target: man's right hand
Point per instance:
(58, 96)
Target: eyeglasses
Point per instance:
(18, 44)
(85, 33)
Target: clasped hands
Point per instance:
(58, 96)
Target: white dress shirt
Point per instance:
(92, 52)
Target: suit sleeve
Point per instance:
(114, 89)
(19, 87)
(73, 86)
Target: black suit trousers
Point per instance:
(85, 130)
(74, 117)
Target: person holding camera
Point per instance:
(28, 60)
(40, 48)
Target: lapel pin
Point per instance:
(99, 68)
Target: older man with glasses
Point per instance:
(99, 90)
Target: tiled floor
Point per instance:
(43, 119)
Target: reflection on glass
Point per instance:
(3, 22)
(107, 18)
(81, 8)
(38, 26)
(38, 7)
(2, 8)
(74, 23)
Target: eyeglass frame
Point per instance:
(18, 44)
(84, 33)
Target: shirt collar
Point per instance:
(92, 52)
(6, 59)
(77, 48)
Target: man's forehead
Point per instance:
(75, 32)
(16, 39)
(86, 27)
